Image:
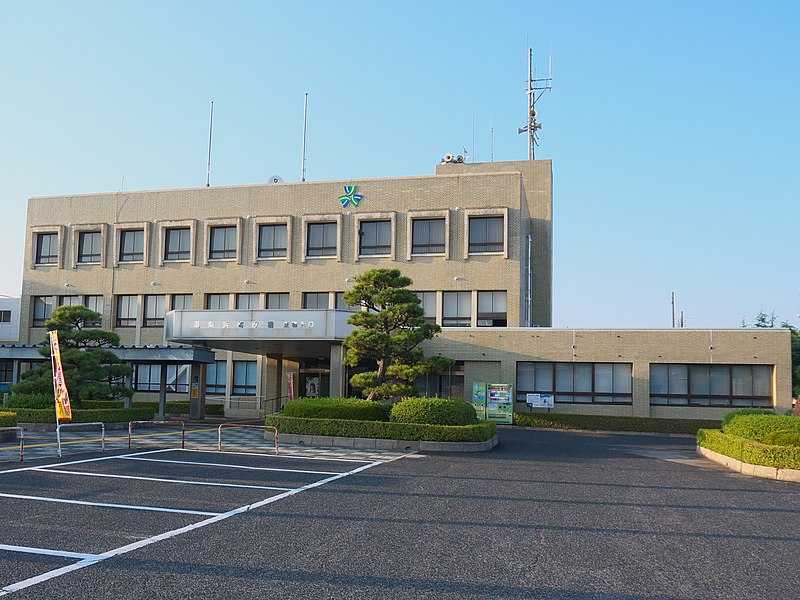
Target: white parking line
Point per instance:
(93, 559)
(108, 505)
(79, 462)
(205, 464)
(45, 551)
(158, 479)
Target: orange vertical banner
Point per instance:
(63, 408)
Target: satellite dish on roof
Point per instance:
(275, 179)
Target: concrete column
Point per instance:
(337, 385)
(197, 391)
(162, 394)
(274, 385)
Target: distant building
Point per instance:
(258, 273)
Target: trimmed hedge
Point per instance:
(478, 432)
(433, 411)
(88, 404)
(757, 426)
(350, 409)
(783, 438)
(181, 407)
(609, 423)
(30, 401)
(745, 411)
(106, 415)
(749, 451)
(8, 419)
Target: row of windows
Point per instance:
(670, 384)
(486, 234)
(456, 307)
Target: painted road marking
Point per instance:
(93, 559)
(47, 552)
(205, 464)
(113, 476)
(109, 505)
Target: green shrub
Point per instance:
(8, 419)
(352, 409)
(744, 411)
(783, 438)
(175, 407)
(749, 451)
(88, 404)
(107, 415)
(31, 401)
(215, 410)
(433, 411)
(610, 423)
(757, 426)
(478, 432)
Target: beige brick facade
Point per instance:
(520, 193)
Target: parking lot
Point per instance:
(545, 514)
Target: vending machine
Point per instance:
(479, 399)
(500, 403)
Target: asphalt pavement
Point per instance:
(545, 514)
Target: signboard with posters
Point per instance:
(539, 400)
(500, 403)
(63, 408)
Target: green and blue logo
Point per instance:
(350, 196)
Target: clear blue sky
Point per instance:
(673, 126)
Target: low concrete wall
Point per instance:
(748, 469)
(44, 427)
(379, 444)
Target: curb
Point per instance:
(744, 468)
(601, 431)
(382, 444)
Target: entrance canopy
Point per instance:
(290, 333)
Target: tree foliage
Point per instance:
(389, 333)
(91, 371)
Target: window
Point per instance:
(94, 303)
(147, 378)
(131, 245)
(217, 301)
(69, 300)
(181, 301)
(154, 310)
(46, 248)
(244, 377)
(6, 372)
(321, 239)
(577, 383)
(42, 309)
(5, 316)
(427, 236)
(427, 300)
(711, 385)
(272, 241)
(216, 374)
(248, 301)
(89, 247)
(127, 311)
(456, 311)
(486, 234)
(492, 311)
(177, 245)
(318, 300)
(222, 244)
(277, 301)
(375, 237)
(341, 304)
(447, 384)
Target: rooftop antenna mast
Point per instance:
(305, 133)
(210, 125)
(536, 87)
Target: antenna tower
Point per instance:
(536, 87)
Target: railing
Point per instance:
(242, 425)
(21, 437)
(102, 429)
(258, 404)
(181, 423)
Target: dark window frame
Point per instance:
(578, 397)
(377, 229)
(46, 244)
(222, 242)
(426, 246)
(479, 237)
(325, 249)
(272, 250)
(183, 243)
(126, 321)
(95, 250)
(729, 400)
(136, 253)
